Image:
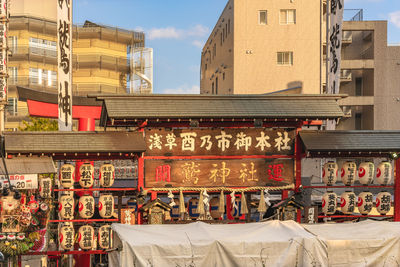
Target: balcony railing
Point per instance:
(77, 89)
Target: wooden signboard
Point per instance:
(311, 214)
(219, 142)
(230, 172)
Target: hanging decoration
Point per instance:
(200, 207)
(384, 173)
(262, 205)
(106, 205)
(329, 173)
(107, 175)
(86, 207)
(365, 202)
(221, 206)
(67, 175)
(366, 172)
(244, 209)
(86, 172)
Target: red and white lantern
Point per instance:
(86, 207)
(365, 202)
(106, 205)
(348, 172)
(67, 175)
(86, 172)
(348, 202)
(329, 203)
(107, 175)
(66, 237)
(329, 173)
(384, 173)
(66, 207)
(45, 187)
(383, 202)
(86, 237)
(366, 172)
(105, 237)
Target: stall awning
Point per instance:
(29, 165)
(74, 142)
(230, 107)
(350, 142)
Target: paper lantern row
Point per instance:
(364, 202)
(86, 206)
(86, 171)
(86, 237)
(365, 173)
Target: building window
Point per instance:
(222, 37)
(205, 66)
(13, 43)
(216, 86)
(358, 121)
(12, 107)
(288, 16)
(229, 26)
(215, 50)
(226, 30)
(212, 88)
(13, 72)
(262, 17)
(359, 86)
(223, 76)
(285, 58)
(43, 47)
(40, 76)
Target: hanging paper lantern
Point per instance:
(67, 175)
(105, 237)
(329, 173)
(107, 175)
(106, 205)
(383, 202)
(20, 236)
(45, 187)
(66, 207)
(214, 205)
(86, 237)
(3, 236)
(66, 237)
(347, 202)
(365, 202)
(174, 213)
(86, 172)
(366, 172)
(348, 172)
(192, 207)
(384, 173)
(86, 207)
(329, 203)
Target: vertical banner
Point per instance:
(64, 60)
(3, 48)
(335, 45)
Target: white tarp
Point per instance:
(273, 243)
(367, 243)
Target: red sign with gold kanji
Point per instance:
(229, 172)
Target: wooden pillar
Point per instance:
(297, 153)
(397, 191)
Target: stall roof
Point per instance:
(141, 107)
(351, 141)
(73, 142)
(29, 165)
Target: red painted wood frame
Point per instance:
(397, 191)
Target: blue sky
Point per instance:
(177, 29)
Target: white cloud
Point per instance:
(164, 33)
(184, 89)
(198, 30)
(198, 44)
(174, 33)
(394, 18)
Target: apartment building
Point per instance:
(370, 76)
(259, 47)
(104, 57)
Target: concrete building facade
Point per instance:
(259, 47)
(101, 55)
